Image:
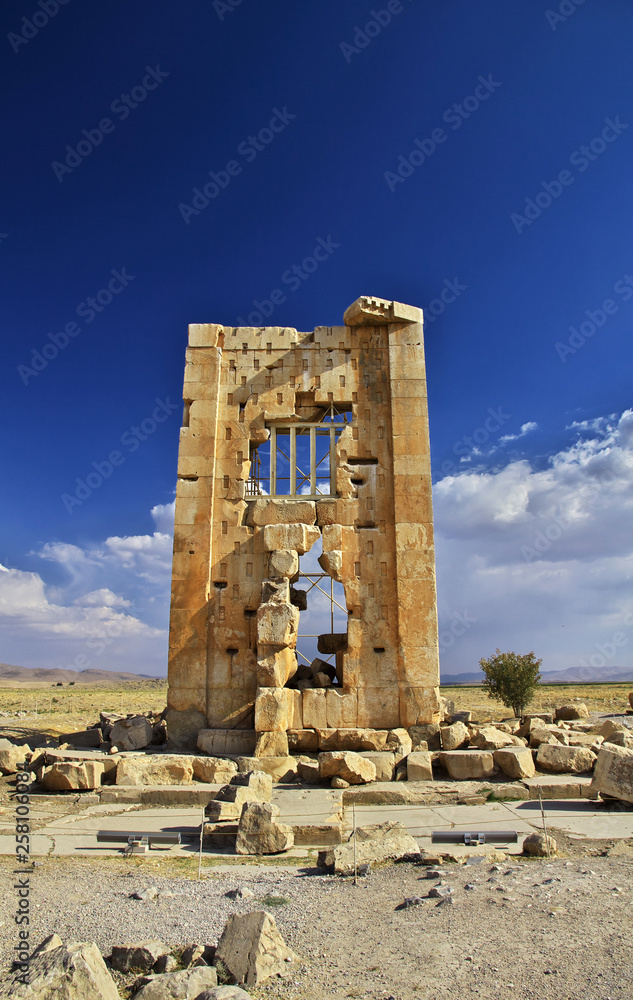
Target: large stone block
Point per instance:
(420, 705)
(278, 768)
(275, 591)
(378, 707)
(249, 786)
(157, 769)
(300, 537)
(332, 563)
(332, 642)
(575, 710)
(314, 709)
(353, 739)
(272, 710)
(264, 512)
(454, 737)
(347, 765)
(558, 759)
(341, 709)
(374, 845)
(67, 972)
(197, 982)
(234, 742)
(419, 766)
(283, 564)
(12, 756)
(428, 734)
(383, 761)
(133, 733)
(213, 770)
(468, 765)
(515, 762)
(303, 740)
(252, 949)
(613, 773)
(275, 666)
(277, 624)
(273, 744)
(490, 738)
(259, 831)
(63, 777)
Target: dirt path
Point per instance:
(529, 928)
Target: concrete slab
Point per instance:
(319, 813)
(579, 818)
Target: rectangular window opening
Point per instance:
(299, 459)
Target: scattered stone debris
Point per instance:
(440, 891)
(413, 901)
(242, 893)
(146, 895)
(141, 956)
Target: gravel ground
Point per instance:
(562, 928)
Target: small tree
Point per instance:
(511, 679)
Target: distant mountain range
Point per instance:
(573, 675)
(39, 675)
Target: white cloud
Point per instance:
(103, 598)
(541, 558)
(107, 607)
(525, 429)
(163, 516)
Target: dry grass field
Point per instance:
(607, 698)
(66, 709)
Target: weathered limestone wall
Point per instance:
(233, 624)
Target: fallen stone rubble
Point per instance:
(250, 950)
(130, 751)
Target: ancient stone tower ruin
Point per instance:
(290, 439)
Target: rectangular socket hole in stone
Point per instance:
(220, 584)
(379, 649)
(232, 652)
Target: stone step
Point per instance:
(198, 794)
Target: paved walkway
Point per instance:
(75, 833)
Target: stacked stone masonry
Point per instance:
(234, 610)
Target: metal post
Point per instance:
(313, 461)
(354, 822)
(273, 460)
(332, 460)
(200, 852)
(293, 461)
(540, 798)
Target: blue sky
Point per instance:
(477, 151)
